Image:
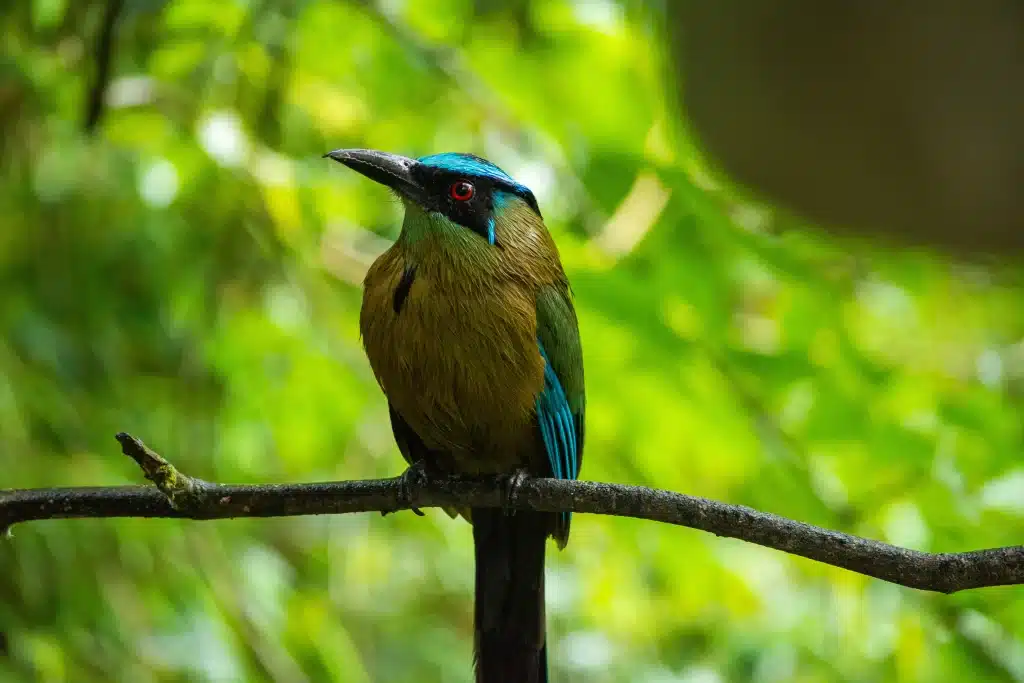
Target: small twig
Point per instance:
(104, 56)
(180, 496)
(182, 491)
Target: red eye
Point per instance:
(461, 191)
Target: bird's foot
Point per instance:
(409, 483)
(510, 489)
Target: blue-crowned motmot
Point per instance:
(470, 329)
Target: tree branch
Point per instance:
(177, 495)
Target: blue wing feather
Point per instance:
(561, 403)
(557, 427)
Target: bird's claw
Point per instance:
(409, 483)
(511, 486)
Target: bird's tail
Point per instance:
(510, 638)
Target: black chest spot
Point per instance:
(402, 290)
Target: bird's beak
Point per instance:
(391, 170)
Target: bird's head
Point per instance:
(466, 190)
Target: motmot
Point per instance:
(469, 327)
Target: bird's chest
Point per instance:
(458, 359)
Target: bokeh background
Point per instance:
(177, 261)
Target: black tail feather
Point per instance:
(510, 634)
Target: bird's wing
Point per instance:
(409, 442)
(562, 402)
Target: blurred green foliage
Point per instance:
(188, 269)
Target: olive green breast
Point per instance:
(459, 359)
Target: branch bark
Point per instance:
(177, 495)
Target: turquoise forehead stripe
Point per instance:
(472, 166)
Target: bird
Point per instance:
(469, 326)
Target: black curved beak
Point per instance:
(392, 170)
